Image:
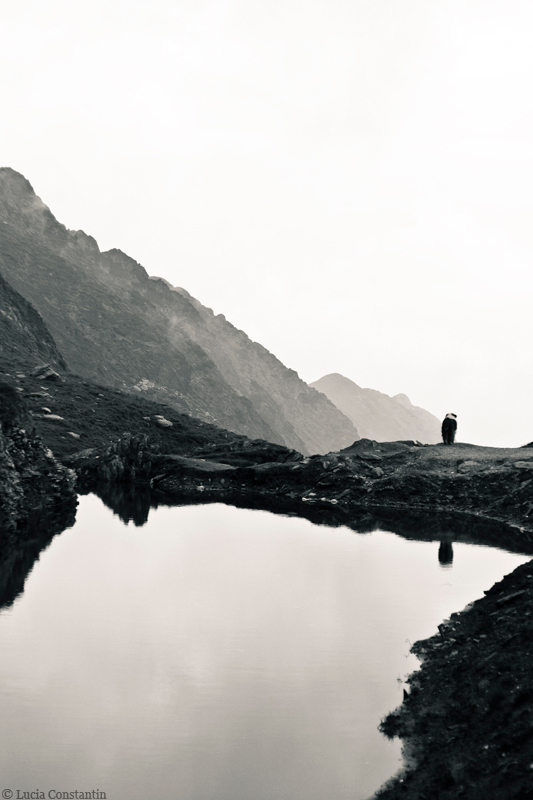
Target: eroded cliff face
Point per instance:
(34, 487)
(116, 326)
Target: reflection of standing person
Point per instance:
(449, 427)
(445, 553)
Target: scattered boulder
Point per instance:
(179, 464)
(367, 448)
(466, 466)
(46, 373)
(162, 422)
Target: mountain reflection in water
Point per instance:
(133, 504)
(19, 553)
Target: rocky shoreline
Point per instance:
(481, 482)
(467, 719)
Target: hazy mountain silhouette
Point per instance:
(115, 325)
(377, 415)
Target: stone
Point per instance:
(343, 494)
(466, 466)
(376, 472)
(75, 435)
(163, 423)
(175, 464)
(51, 375)
(46, 373)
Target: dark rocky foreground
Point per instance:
(37, 495)
(467, 723)
(35, 487)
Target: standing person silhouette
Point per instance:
(449, 427)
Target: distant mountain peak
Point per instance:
(403, 400)
(11, 178)
(378, 416)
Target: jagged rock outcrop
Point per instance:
(33, 485)
(378, 416)
(115, 325)
(130, 458)
(138, 459)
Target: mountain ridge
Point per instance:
(115, 325)
(379, 416)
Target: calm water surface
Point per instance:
(219, 654)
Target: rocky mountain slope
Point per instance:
(378, 416)
(115, 325)
(23, 333)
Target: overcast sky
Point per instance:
(348, 181)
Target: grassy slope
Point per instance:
(99, 414)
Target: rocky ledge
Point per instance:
(490, 483)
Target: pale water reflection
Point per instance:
(219, 654)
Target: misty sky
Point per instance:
(350, 181)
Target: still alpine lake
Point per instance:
(219, 654)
